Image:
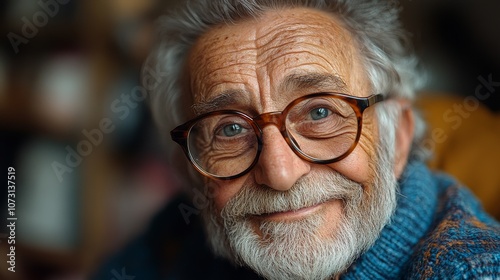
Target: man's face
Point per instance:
(263, 65)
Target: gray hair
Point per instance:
(390, 66)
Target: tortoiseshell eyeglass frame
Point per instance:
(180, 134)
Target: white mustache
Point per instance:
(306, 192)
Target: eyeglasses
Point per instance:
(320, 128)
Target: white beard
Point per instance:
(294, 249)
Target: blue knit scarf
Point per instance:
(439, 231)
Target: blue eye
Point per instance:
(232, 130)
(319, 113)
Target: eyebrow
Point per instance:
(225, 99)
(324, 82)
(291, 83)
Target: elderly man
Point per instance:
(297, 117)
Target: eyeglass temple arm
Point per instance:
(178, 135)
(375, 99)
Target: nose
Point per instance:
(278, 166)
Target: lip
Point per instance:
(291, 215)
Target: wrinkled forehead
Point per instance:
(258, 54)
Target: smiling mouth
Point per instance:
(292, 214)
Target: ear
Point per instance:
(404, 137)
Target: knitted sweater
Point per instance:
(439, 231)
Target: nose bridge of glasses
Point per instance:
(271, 118)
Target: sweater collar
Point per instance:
(417, 202)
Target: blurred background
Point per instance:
(89, 168)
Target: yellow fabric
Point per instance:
(465, 139)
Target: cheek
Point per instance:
(225, 190)
(355, 167)
(358, 166)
